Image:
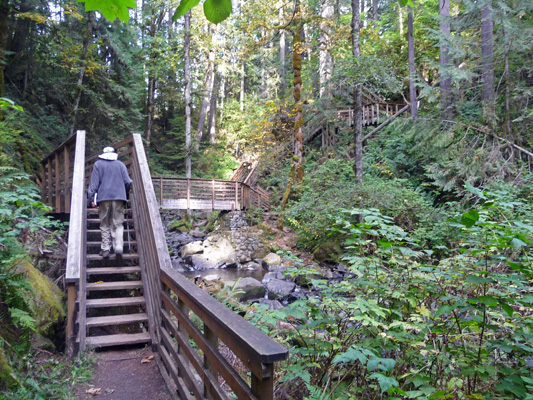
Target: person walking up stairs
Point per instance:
(108, 190)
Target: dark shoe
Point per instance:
(119, 260)
(104, 253)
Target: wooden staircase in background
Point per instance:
(114, 301)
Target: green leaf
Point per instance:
(517, 243)
(506, 307)
(385, 382)
(111, 9)
(185, 5)
(217, 10)
(470, 217)
(489, 301)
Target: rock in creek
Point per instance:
(251, 289)
(278, 288)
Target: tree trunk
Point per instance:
(400, 19)
(282, 44)
(243, 72)
(325, 63)
(187, 72)
(446, 100)
(83, 67)
(213, 111)
(4, 25)
(297, 166)
(487, 64)
(358, 95)
(412, 70)
(150, 109)
(207, 93)
(375, 14)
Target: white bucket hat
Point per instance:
(108, 153)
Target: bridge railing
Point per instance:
(183, 314)
(56, 171)
(208, 194)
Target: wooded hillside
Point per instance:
(395, 139)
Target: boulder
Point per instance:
(192, 248)
(215, 254)
(278, 288)
(272, 275)
(252, 266)
(272, 259)
(250, 288)
(45, 300)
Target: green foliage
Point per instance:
(115, 9)
(407, 322)
(52, 377)
(330, 187)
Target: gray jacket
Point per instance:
(109, 180)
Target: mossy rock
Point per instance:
(6, 372)
(328, 251)
(45, 300)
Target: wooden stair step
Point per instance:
(123, 285)
(98, 230)
(116, 302)
(116, 340)
(112, 270)
(125, 256)
(116, 319)
(98, 244)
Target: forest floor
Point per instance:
(130, 374)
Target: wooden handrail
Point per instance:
(75, 266)
(215, 194)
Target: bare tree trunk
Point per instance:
(207, 93)
(282, 44)
(150, 109)
(83, 67)
(187, 72)
(487, 63)
(400, 19)
(412, 70)
(325, 62)
(445, 65)
(297, 166)
(243, 72)
(375, 5)
(213, 111)
(358, 95)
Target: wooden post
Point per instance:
(264, 388)
(71, 318)
(161, 191)
(377, 114)
(50, 183)
(44, 194)
(188, 193)
(58, 183)
(213, 195)
(66, 163)
(213, 339)
(237, 196)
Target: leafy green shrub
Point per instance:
(331, 187)
(405, 324)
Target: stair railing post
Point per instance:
(213, 194)
(67, 186)
(188, 194)
(161, 191)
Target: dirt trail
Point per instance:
(121, 375)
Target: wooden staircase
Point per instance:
(114, 303)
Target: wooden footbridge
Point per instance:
(145, 301)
